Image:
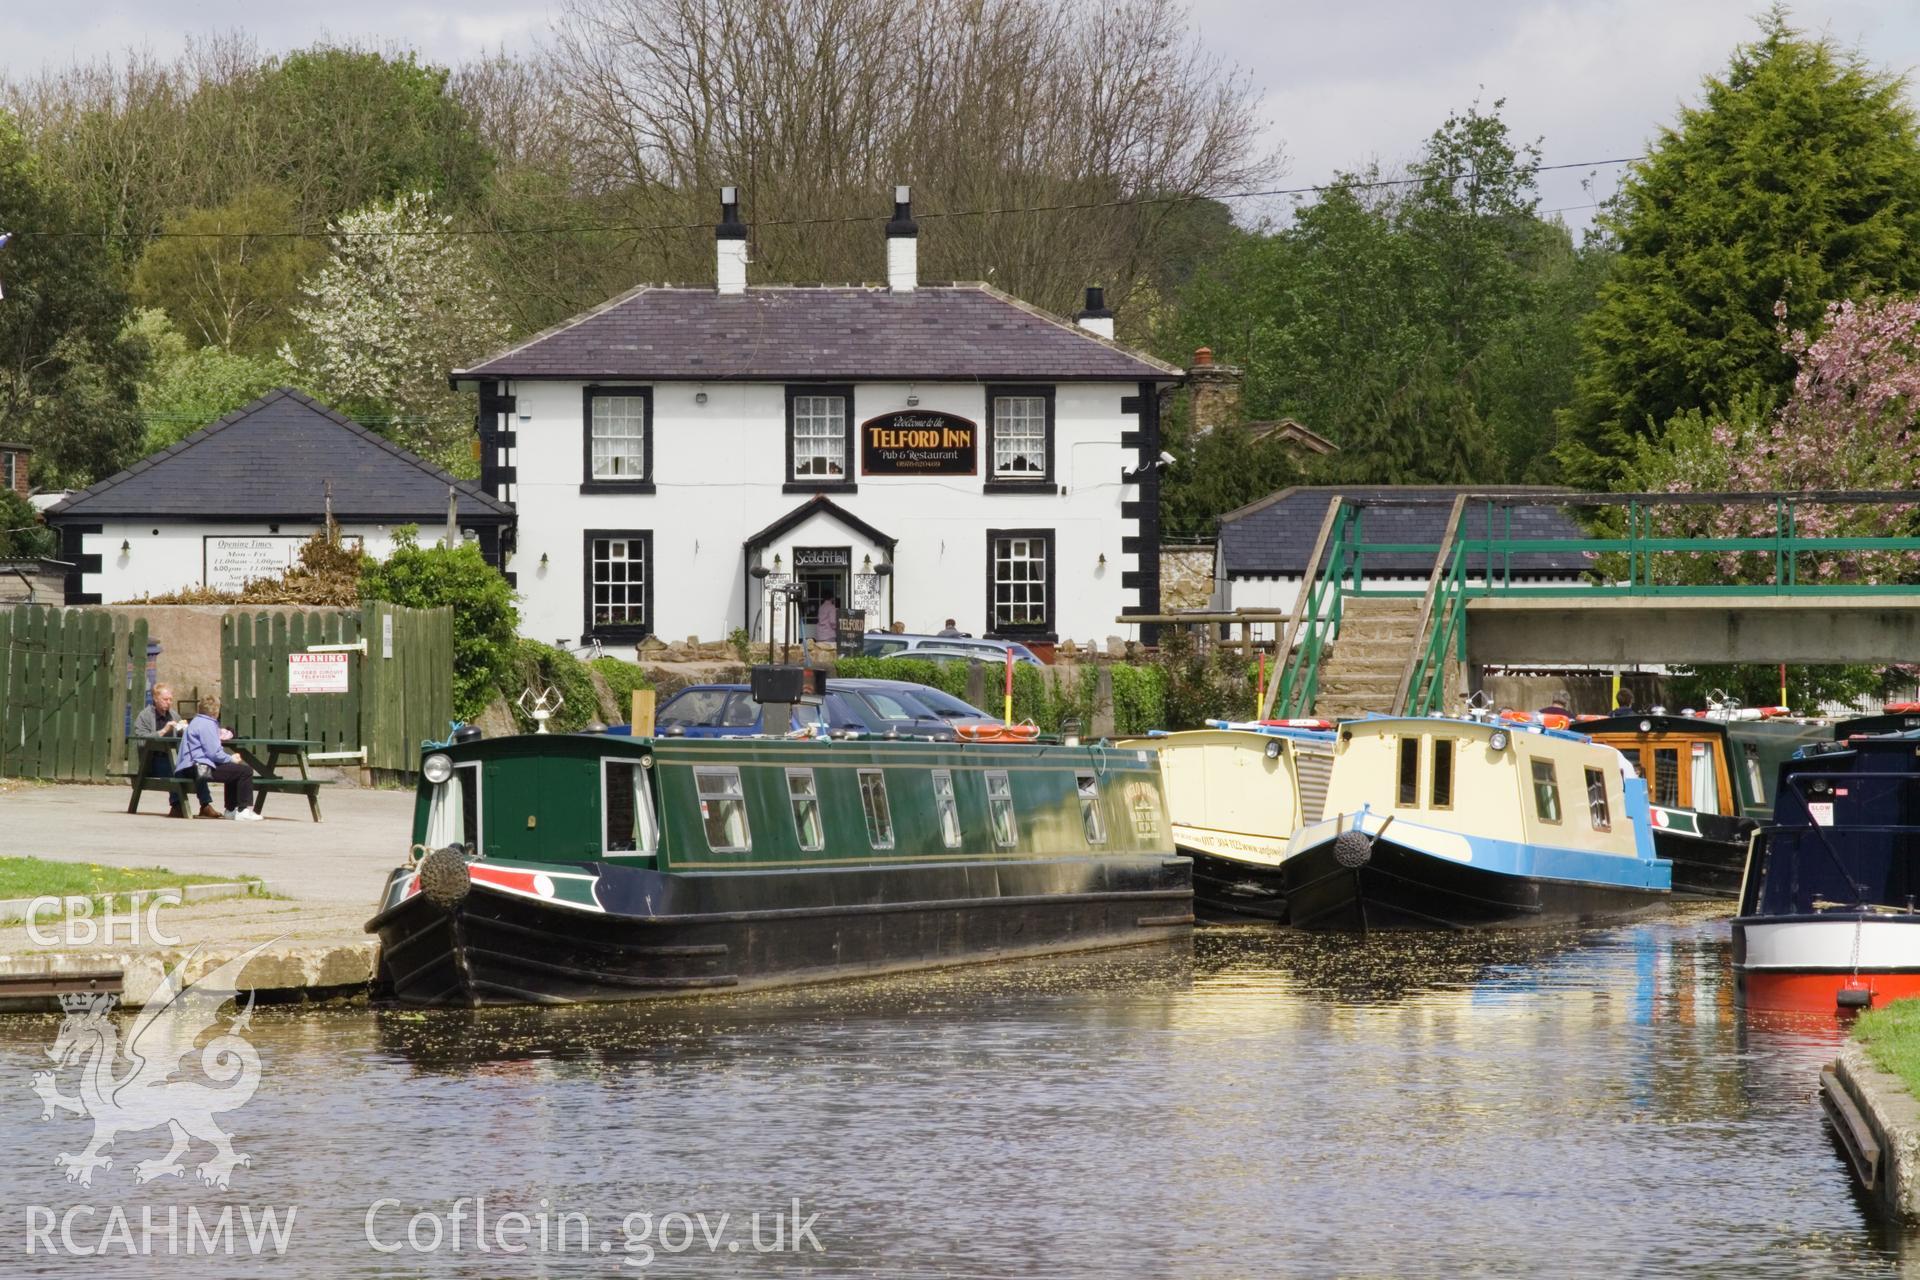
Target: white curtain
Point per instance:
(1706, 784)
(447, 815)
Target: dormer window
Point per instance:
(819, 438)
(1019, 437)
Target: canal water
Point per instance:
(1258, 1104)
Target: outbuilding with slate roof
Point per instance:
(236, 499)
(1265, 547)
(683, 458)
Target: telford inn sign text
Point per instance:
(919, 442)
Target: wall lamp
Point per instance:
(1146, 469)
(543, 559)
(125, 547)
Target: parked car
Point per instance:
(895, 644)
(938, 701)
(728, 710)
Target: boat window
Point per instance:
(1597, 800)
(1006, 829)
(1666, 776)
(1755, 779)
(626, 808)
(948, 807)
(1442, 795)
(723, 809)
(806, 809)
(1409, 772)
(1706, 787)
(1546, 791)
(1096, 826)
(873, 798)
(469, 775)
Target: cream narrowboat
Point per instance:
(1235, 795)
(1452, 824)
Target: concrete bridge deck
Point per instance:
(1621, 630)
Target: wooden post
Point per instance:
(642, 717)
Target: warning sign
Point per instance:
(317, 672)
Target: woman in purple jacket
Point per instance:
(200, 745)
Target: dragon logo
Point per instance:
(149, 1095)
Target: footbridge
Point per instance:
(1649, 578)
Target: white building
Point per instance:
(680, 454)
(236, 500)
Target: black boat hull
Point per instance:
(664, 935)
(1711, 864)
(1402, 888)
(1235, 892)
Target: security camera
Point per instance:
(1166, 459)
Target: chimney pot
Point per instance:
(1094, 317)
(1203, 355)
(903, 244)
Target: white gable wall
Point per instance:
(162, 558)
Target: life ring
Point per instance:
(988, 731)
(1901, 708)
(1517, 717)
(1554, 721)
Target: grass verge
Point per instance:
(1891, 1037)
(37, 877)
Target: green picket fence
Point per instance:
(399, 680)
(68, 679)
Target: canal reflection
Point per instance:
(1259, 1103)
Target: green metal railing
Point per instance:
(1638, 560)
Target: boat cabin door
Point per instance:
(1683, 772)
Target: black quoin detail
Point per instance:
(71, 536)
(1147, 512)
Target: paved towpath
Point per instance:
(324, 877)
(343, 859)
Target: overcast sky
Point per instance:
(1342, 82)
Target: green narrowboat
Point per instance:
(1709, 779)
(561, 868)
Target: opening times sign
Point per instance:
(919, 442)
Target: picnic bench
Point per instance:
(263, 755)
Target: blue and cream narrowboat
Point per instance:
(1443, 823)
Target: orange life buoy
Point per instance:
(1554, 722)
(1901, 708)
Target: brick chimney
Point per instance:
(1216, 391)
(13, 467)
(730, 244)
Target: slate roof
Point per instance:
(936, 333)
(1276, 534)
(271, 460)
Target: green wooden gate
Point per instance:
(399, 681)
(68, 678)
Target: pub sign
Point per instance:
(919, 442)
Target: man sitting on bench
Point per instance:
(156, 720)
(200, 745)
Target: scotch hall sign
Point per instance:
(919, 442)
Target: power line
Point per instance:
(838, 220)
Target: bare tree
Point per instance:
(1047, 143)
